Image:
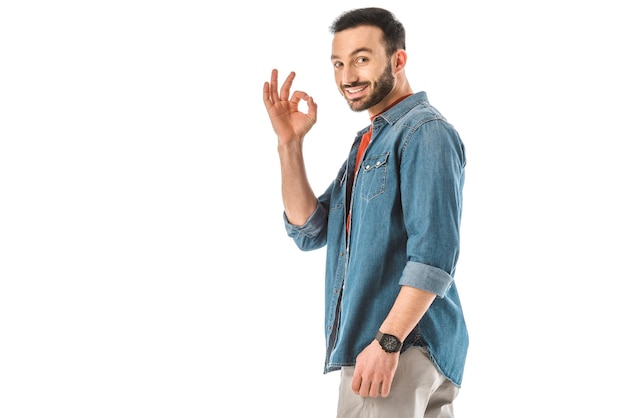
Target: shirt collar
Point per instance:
(401, 107)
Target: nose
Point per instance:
(348, 76)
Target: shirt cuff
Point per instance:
(425, 277)
(312, 227)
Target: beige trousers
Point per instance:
(418, 390)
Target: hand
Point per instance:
(374, 371)
(288, 122)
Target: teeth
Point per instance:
(355, 91)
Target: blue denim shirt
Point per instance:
(405, 217)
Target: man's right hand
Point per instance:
(288, 122)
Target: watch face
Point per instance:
(390, 343)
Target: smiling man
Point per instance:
(390, 222)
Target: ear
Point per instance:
(400, 60)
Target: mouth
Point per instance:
(354, 92)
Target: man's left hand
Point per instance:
(374, 371)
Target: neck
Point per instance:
(400, 90)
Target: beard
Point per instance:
(381, 87)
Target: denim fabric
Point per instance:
(405, 207)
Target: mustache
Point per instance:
(357, 84)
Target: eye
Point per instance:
(361, 60)
(337, 65)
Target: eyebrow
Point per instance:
(355, 52)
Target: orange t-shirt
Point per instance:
(365, 140)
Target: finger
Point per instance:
(273, 87)
(270, 93)
(311, 105)
(385, 388)
(297, 96)
(360, 385)
(356, 384)
(312, 109)
(266, 94)
(365, 388)
(374, 390)
(284, 90)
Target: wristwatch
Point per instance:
(389, 343)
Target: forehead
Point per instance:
(354, 40)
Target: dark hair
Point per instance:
(393, 31)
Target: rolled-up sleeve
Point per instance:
(432, 176)
(311, 235)
(429, 278)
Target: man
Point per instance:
(390, 221)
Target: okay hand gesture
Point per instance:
(289, 123)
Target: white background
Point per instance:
(144, 268)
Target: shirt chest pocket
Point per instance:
(372, 176)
